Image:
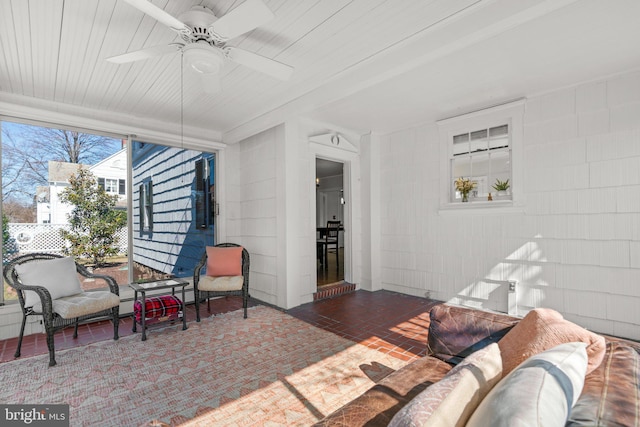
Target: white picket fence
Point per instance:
(30, 238)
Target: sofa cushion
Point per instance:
(378, 405)
(58, 275)
(455, 332)
(542, 329)
(538, 393)
(452, 400)
(611, 393)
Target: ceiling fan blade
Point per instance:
(158, 14)
(149, 52)
(249, 15)
(260, 63)
(210, 83)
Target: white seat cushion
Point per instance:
(220, 283)
(83, 303)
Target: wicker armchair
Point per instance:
(62, 312)
(221, 286)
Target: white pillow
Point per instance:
(538, 393)
(58, 275)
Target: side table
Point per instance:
(143, 288)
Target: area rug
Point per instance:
(268, 370)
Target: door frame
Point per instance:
(348, 160)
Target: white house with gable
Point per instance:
(111, 174)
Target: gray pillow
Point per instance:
(58, 275)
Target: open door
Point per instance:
(329, 208)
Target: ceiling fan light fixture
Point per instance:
(203, 58)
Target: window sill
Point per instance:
(481, 208)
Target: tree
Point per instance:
(26, 151)
(18, 212)
(9, 245)
(94, 223)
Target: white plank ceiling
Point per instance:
(359, 64)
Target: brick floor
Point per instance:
(389, 322)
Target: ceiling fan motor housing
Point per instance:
(199, 19)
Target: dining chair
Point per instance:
(329, 239)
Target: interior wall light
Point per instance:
(317, 182)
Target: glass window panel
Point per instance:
(500, 169)
(34, 180)
(460, 167)
(498, 142)
(479, 134)
(480, 168)
(499, 130)
(111, 185)
(178, 209)
(460, 144)
(478, 141)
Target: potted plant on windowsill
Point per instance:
(501, 187)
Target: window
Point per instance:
(146, 206)
(205, 193)
(484, 157)
(484, 148)
(112, 186)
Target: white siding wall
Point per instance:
(576, 247)
(58, 209)
(251, 208)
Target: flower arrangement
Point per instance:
(464, 186)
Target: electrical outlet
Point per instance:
(428, 294)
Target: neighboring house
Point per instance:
(50, 209)
(111, 174)
(173, 207)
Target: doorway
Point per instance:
(329, 207)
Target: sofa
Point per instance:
(445, 388)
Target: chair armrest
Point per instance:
(113, 285)
(43, 293)
(198, 269)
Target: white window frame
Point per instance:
(113, 189)
(510, 114)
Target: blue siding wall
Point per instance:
(174, 245)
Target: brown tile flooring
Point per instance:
(331, 274)
(386, 321)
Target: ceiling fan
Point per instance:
(205, 39)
